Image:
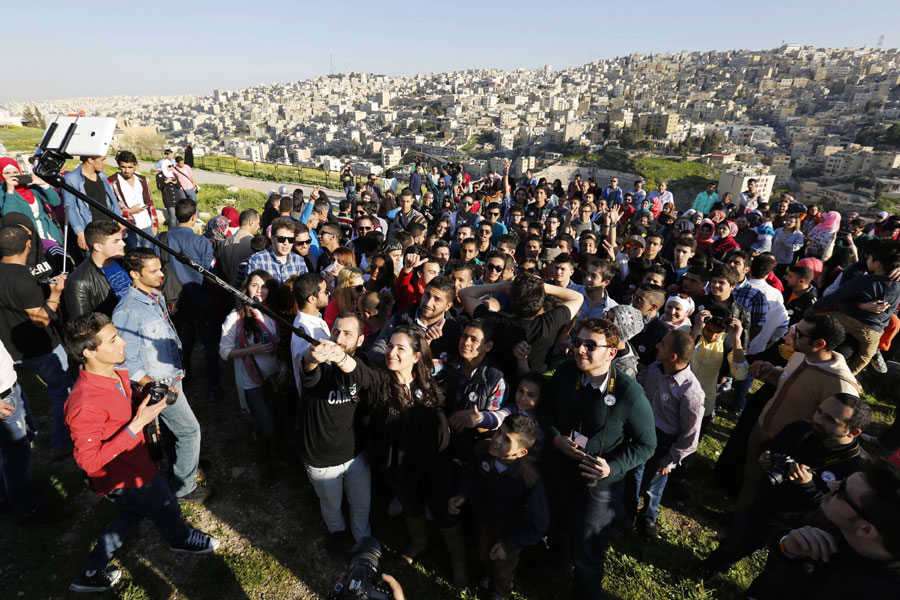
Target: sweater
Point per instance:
(801, 387)
(860, 290)
(10, 203)
(623, 434)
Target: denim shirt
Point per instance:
(77, 210)
(153, 347)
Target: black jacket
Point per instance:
(845, 575)
(800, 305)
(88, 290)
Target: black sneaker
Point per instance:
(199, 494)
(99, 581)
(336, 547)
(648, 529)
(196, 543)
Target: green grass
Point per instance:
(20, 138)
(273, 539)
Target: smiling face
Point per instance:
(400, 355)
(597, 359)
(472, 345)
(434, 304)
(528, 394)
(675, 312)
(257, 289)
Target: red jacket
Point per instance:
(407, 292)
(97, 412)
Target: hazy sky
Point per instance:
(71, 49)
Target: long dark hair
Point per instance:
(399, 397)
(245, 311)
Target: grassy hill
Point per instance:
(20, 138)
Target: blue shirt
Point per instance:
(265, 259)
(118, 279)
(196, 247)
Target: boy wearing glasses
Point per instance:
(278, 259)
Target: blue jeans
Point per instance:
(53, 369)
(192, 194)
(261, 411)
(182, 447)
(135, 241)
(153, 501)
(348, 191)
(171, 218)
(354, 477)
(741, 388)
(15, 456)
(591, 536)
(653, 488)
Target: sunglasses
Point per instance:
(844, 495)
(305, 242)
(632, 246)
(466, 203)
(528, 270)
(589, 345)
(365, 228)
(497, 268)
(358, 288)
(284, 239)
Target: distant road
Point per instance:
(248, 183)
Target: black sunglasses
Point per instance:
(494, 214)
(284, 239)
(844, 495)
(528, 270)
(590, 345)
(303, 242)
(498, 268)
(358, 288)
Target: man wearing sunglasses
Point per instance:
(849, 548)
(278, 259)
(493, 213)
(823, 450)
(602, 426)
(464, 215)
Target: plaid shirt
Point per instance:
(265, 259)
(754, 301)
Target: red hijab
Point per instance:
(233, 216)
(21, 190)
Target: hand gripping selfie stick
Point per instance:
(49, 164)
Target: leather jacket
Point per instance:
(88, 290)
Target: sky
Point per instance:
(194, 46)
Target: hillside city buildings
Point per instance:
(790, 114)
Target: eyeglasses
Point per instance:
(589, 345)
(497, 268)
(284, 239)
(305, 242)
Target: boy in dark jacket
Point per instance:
(868, 301)
(799, 294)
(508, 499)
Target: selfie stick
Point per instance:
(51, 162)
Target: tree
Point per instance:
(28, 118)
(39, 118)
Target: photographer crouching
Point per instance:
(110, 446)
(800, 462)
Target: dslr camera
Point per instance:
(362, 579)
(781, 465)
(159, 392)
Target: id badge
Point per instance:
(580, 440)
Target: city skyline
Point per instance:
(239, 49)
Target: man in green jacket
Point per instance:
(602, 426)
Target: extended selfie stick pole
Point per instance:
(48, 167)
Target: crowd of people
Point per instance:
(514, 359)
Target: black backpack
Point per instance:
(171, 287)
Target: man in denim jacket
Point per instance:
(153, 353)
(78, 212)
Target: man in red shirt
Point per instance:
(110, 447)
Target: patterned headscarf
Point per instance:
(217, 229)
(628, 319)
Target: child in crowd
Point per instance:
(787, 242)
(508, 499)
(799, 295)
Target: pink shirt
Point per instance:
(183, 174)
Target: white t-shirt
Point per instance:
(316, 328)
(133, 195)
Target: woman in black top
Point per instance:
(407, 434)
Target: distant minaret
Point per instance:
(880, 43)
(331, 64)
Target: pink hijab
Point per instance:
(830, 221)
